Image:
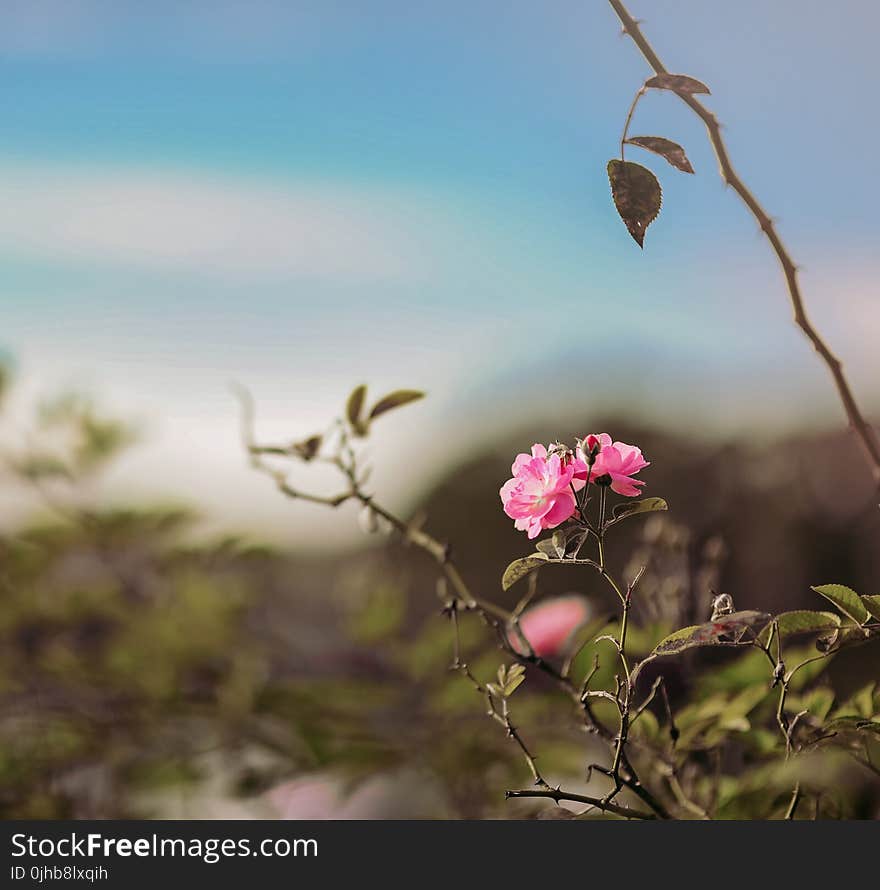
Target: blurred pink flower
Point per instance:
(616, 460)
(406, 794)
(550, 625)
(540, 493)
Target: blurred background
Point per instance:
(302, 196)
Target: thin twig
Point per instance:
(795, 800)
(556, 794)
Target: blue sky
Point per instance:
(304, 195)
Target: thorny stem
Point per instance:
(556, 794)
(496, 617)
(502, 717)
(861, 428)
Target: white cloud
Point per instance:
(225, 227)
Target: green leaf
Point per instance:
(632, 508)
(519, 568)
(353, 408)
(666, 148)
(394, 400)
(515, 676)
(801, 621)
(637, 196)
(872, 604)
(847, 600)
(678, 83)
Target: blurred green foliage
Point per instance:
(139, 662)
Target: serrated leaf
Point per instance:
(846, 599)
(395, 399)
(678, 83)
(801, 621)
(354, 407)
(637, 196)
(633, 508)
(666, 148)
(519, 568)
(872, 604)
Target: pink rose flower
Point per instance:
(616, 460)
(540, 493)
(550, 625)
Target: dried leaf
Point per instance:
(666, 148)
(678, 83)
(637, 196)
(395, 400)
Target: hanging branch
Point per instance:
(862, 429)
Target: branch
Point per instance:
(862, 429)
(606, 807)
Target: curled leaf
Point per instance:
(395, 400)
(666, 148)
(510, 681)
(678, 83)
(637, 196)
